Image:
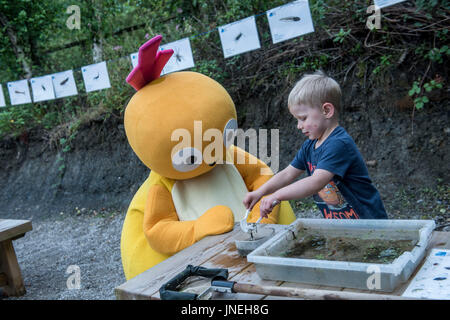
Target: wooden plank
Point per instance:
(311, 294)
(10, 267)
(281, 298)
(249, 275)
(225, 256)
(146, 284)
(220, 247)
(239, 269)
(229, 258)
(12, 228)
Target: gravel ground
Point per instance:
(90, 242)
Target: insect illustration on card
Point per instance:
(97, 76)
(290, 19)
(238, 36)
(64, 81)
(43, 87)
(178, 56)
(19, 92)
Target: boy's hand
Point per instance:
(267, 205)
(251, 199)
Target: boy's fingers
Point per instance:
(247, 202)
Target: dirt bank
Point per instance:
(407, 155)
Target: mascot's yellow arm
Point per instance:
(166, 234)
(152, 231)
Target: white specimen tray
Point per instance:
(356, 275)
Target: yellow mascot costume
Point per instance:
(195, 188)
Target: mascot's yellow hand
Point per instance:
(166, 234)
(217, 220)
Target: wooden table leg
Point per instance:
(11, 270)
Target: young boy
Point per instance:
(337, 175)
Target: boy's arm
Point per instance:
(255, 174)
(301, 189)
(280, 180)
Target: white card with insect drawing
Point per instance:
(64, 84)
(134, 59)
(96, 76)
(19, 93)
(2, 97)
(386, 3)
(433, 279)
(290, 21)
(239, 37)
(181, 58)
(42, 88)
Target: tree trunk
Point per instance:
(97, 49)
(18, 51)
(97, 45)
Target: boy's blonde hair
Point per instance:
(314, 90)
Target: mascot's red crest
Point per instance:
(150, 63)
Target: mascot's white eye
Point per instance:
(229, 132)
(187, 159)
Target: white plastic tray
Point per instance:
(358, 275)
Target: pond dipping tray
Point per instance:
(275, 259)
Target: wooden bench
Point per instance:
(11, 282)
(220, 252)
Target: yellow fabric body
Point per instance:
(173, 112)
(152, 232)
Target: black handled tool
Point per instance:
(168, 290)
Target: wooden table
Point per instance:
(220, 252)
(11, 283)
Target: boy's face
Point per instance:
(311, 120)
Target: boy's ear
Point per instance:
(328, 110)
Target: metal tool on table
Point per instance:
(245, 227)
(256, 238)
(249, 228)
(220, 284)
